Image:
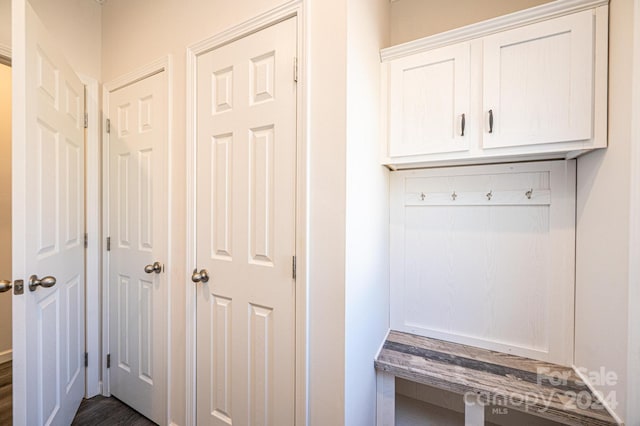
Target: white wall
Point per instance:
(75, 26)
(327, 91)
(367, 210)
(602, 257)
(412, 19)
(5, 207)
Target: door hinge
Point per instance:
(108, 360)
(86, 120)
(295, 69)
(108, 243)
(86, 359)
(108, 125)
(295, 266)
(86, 240)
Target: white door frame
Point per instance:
(163, 64)
(93, 385)
(288, 10)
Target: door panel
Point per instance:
(245, 229)
(137, 224)
(538, 82)
(428, 95)
(48, 224)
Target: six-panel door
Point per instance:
(245, 230)
(137, 228)
(47, 227)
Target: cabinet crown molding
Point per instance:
(473, 31)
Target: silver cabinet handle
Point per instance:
(463, 124)
(156, 267)
(45, 282)
(200, 277)
(5, 286)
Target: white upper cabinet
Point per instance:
(429, 97)
(530, 85)
(538, 83)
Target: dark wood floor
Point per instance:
(98, 411)
(103, 411)
(6, 391)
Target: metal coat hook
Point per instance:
(454, 196)
(489, 195)
(529, 193)
(422, 196)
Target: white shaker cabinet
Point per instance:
(531, 85)
(538, 83)
(429, 98)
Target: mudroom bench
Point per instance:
(484, 377)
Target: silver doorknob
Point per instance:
(45, 282)
(5, 286)
(156, 267)
(200, 277)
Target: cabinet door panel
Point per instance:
(538, 83)
(429, 92)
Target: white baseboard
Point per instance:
(6, 356)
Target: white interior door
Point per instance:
(48, 227)
(137, 229)
(245, 230)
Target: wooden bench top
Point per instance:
(542, 389)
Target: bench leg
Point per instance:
(473, 411)
(386, 399)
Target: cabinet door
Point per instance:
(538, 83)
(429, 93)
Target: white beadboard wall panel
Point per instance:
(484, 255)
(475, 254)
